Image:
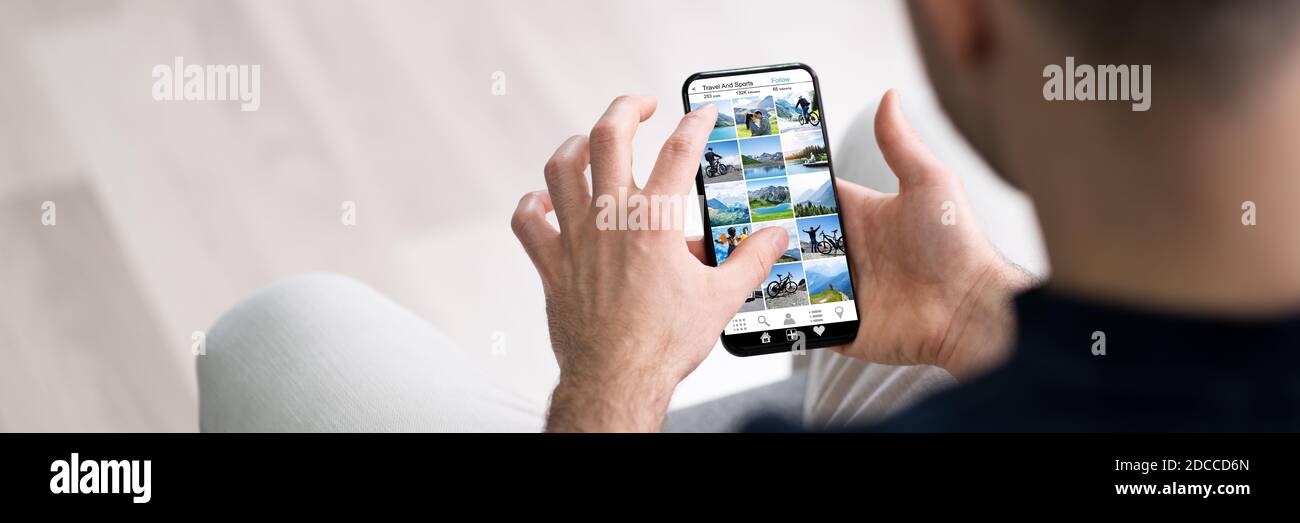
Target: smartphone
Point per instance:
(768, 164)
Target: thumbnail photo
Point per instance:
(820, 237)
(762, 157)
(755, 116)
(798, 111)
(726, 239)
(804, 153)
(828, 280)
(753, 303)
(791, 253)
(727, 203)
(785, 286)
(725, 127)
(813, 194)
(769, 199)
(721, 162)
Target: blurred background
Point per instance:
(171, 212)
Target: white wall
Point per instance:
(387, 104)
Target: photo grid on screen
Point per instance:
(766, 165)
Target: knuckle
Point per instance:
(519, 220)
(605, 133)
(679, 145)
(518, 225)
(578, 141)
(563, 158)
(555, 165)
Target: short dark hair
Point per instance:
(1174, 32)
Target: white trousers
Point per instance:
(323, 352)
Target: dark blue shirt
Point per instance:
(1160, 372)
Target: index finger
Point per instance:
(611, 142)
(679, 159)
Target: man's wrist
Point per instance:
(635, 402)
(980, 334)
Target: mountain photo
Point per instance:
(725, 126)
(762, 157)
(828, 280)
(727, 203)
(813, 194)
(792, 247)
(769, 199)
(804, 153)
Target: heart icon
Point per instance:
(819, 329)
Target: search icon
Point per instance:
(763, 320)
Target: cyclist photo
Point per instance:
(721, 162)
(798, 111)
(785, 286)
(821, 237)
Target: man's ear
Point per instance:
(959, 28)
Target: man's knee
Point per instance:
(271, 341)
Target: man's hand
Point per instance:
(631, 312)
(931, 289)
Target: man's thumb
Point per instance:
(903, 150)
(748, 265)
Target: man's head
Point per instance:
(1137, 206)
(986, 60)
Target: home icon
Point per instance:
(765, 338)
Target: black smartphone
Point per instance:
(768, 164)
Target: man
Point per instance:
(803, 106)
(712, 158)
(759, 126)
(729, 239)
(1167, 308)
(811, 231)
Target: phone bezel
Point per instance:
(749, 343)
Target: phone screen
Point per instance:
(768, 164)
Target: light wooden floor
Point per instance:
(168, 213)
